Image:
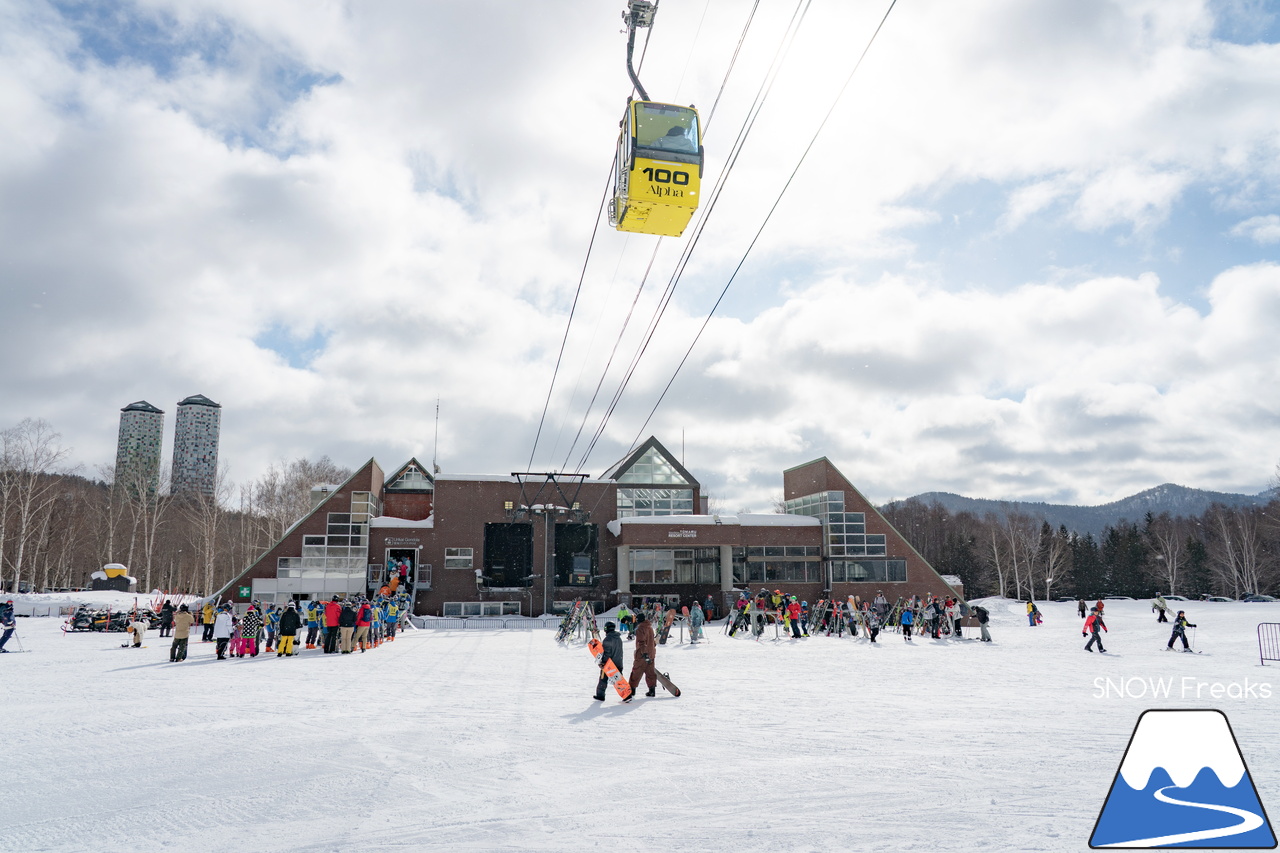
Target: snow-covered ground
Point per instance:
(490, 740)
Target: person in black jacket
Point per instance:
(1180, 626)
(612, 651)
(290, 622)
(983, 617)
(347, 628)
(166, 619)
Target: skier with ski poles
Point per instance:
(1180, 626)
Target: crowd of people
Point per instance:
(937, 616)
(342, 625)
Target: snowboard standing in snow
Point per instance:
(667, 622)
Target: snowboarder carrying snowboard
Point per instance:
(1180, 626)
(1161, 607)
(642, 663)
(612, 652)
(1094, 625)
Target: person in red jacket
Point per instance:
(793, 614)
(364, 619)
(332, 612)
(1094, 625)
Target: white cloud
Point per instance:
(427, 205)
(1264, 230)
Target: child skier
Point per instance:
(1180, 626)
(907, 619)
(1094, 625)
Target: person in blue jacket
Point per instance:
(908, 619)
(314, 614)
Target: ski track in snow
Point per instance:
(490, 741)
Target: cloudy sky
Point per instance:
(1032, 254)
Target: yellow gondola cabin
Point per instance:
(659, 171)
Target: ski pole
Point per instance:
(18, 637)
(1193, 638)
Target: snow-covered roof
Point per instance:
(102, 576)
(506, 478)
(476, 478)
(392, 521)
(754, 519)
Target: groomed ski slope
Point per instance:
(490, 741)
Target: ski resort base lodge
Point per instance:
(529, 544)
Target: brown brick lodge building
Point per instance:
(529, 544)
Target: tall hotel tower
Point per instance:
(195, 446)
(138, 449)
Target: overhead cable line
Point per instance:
(569, 323)
(594, 230)
(762, 94)
(767, 217)
(657, 245)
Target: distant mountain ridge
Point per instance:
(1169, 497)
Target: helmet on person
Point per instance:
(609, 626)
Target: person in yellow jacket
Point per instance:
(207, 618)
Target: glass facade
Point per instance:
(413, 478)
(653, 469)
(778, 563)
(647, 502)
(845, 533)
(859, 571)
(675, 565)
(342, 552)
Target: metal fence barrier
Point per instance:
(1269, 641)
(473, 623)
(26, 608)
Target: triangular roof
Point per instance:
(369, 472)
(390, 484)
(142, 406)
(199, 400)
(620, 468)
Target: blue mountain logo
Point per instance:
(1183, 783)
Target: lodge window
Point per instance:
(459, 558)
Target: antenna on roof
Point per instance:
(435, 442)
